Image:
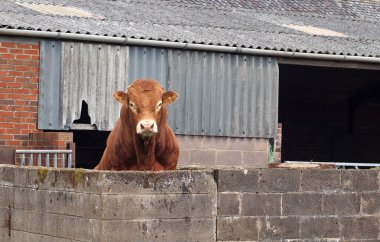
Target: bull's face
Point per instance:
(146, 103)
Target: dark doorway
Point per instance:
(89, 144)
(329, 114)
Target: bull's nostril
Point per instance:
(152, 126)
(142, 126)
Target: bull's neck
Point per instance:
(145, 151)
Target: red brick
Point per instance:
(35, 69)
(24, 46)
(5, 107)
(21, 108)
(20, 102)
(19, 65)
(7, 90)
(24, 131)
(23, 57)
(5, 136)
(32, 127)
(30, 74)
(22, 68)
(24, 91)
(12, 131)
(16, 62)
(13, 96)
(14, 119)
(30, 120)
(7, 78)
(14, 85)
(21, 137)
(35, 79)
(7, 114)
(7, 56)
(16, 51)
(31, 52)
(30, 85)
(34, 115)
(15, 73)
(22, 79)
(7, 102)
(8, 45)
(29, 97)
(22, 114)
(7, 67)
(30, 63)
(34, 92)
(14, 143)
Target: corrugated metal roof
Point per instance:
(256, 24)
(57, 10)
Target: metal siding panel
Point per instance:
(92, 72)
(223, 94)
(219, 94)
(147, 63)
(49, 85)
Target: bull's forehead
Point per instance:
(145, 93)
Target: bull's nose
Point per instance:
(147, 127)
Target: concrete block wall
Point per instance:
(298, 205)
(210, 151)
(39, 204)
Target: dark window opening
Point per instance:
(84, 117)
(329, 114)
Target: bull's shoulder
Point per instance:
(167, 150)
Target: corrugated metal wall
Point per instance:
(49, 109)
(220, 94)
(223, 94)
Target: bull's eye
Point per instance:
(132, 106)
(158, 106)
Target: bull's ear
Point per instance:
(169, 97)
(120, 96)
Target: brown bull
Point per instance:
(141, 138)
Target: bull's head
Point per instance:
(146, 103)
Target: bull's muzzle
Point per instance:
(146, 128)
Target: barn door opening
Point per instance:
(329, 114)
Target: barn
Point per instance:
(259, 81)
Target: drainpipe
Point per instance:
(186, 46)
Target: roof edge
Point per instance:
(187, 46)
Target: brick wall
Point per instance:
(19, 78)
(19, 68)
(39, 204)
(207, 151)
